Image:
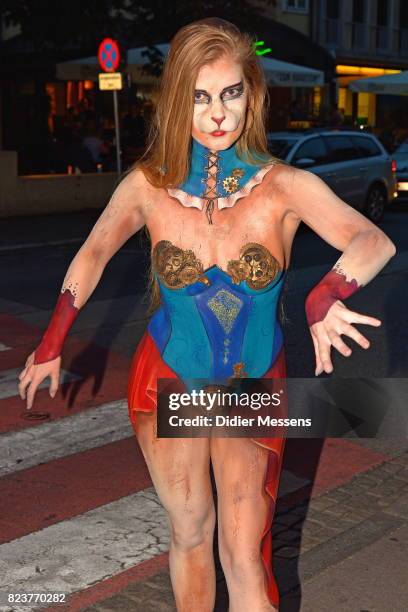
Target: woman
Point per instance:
(222, 214)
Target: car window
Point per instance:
(367, 146)
(341, 148)
(280, 147)
(314, 148)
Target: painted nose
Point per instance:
(218, 120)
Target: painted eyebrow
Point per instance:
(236, 85)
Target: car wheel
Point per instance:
(375, 203)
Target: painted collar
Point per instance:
(234, 178)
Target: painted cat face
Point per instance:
(220, 104)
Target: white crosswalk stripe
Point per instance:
(76, 553)
(9, 381)
(75, 433)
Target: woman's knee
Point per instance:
(240, 560)
(192, 529)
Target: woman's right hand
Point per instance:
(33, 374)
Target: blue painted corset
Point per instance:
(217, 326)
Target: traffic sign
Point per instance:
(109, 55)
(110, 81)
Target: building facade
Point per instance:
(367, 38)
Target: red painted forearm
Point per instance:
(332, 287)
(63, 317)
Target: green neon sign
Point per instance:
(261, 51)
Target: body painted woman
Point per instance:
(222, 215)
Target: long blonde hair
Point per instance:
(195, 45)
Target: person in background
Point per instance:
(93, 142)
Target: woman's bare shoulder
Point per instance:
(280, 177)
(136, 179)
(135, 187)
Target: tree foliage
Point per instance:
(48, 25)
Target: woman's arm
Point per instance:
(122, 217)
(366, 249)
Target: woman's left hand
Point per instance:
(327, 333)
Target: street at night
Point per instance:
(203, 306)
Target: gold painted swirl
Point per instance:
(177, 267)
(256, 265)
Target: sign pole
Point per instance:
(109, 58)
(117, 132)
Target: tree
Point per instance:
(81, 24)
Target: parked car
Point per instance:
(401, 158)
(354, 164)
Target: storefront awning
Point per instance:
(392, 84)
(284, 74)
(278, 73)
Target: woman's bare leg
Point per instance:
(243, 505)
(180, 471)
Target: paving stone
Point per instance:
(277, 529)
(391, 466)
(399, 507)
(335, 510)
(118, 602)
(288, 536)
(321, 503)
(287, 552)
(286, 519)
(314, 515)
(339, 495)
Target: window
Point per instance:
(296, 6)
(332, 9)
(367, 146)
(341, 148)
(382, 12)
(359, 11)
(315, 149)
(280, 147)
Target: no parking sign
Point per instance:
(109, 58)
(109, 55)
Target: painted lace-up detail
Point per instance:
(210, 193)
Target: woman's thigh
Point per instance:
(180, 471)
(240, 468)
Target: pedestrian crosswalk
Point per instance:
(78, 509)
(52, 440)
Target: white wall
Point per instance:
(42, 194)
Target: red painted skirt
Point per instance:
(146, 367)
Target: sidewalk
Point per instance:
(347, 548)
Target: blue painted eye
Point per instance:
(234, 92)
(201, 98)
